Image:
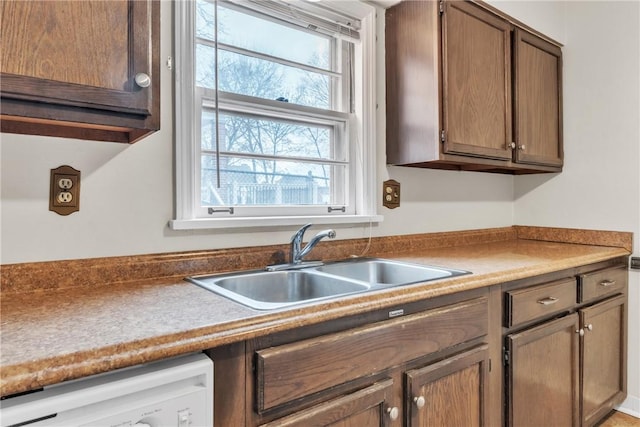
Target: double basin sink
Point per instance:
(269, 290)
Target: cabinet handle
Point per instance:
(607, 283)
(548, 301)
(580, 331)
(143, 80)
(589, 327)
(419, 401)
(393, 413)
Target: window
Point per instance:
(272, 120)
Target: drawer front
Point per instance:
(292, 371)
(531, 303)
(603, 282)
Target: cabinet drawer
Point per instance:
(602, 282)
(292, 371)
(523, 305)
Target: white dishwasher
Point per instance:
(173, 393)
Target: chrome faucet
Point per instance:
(297, 252)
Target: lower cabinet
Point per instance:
(387, 373)
(367, 407)
(542, 375)
(569, 367)
(452, 392)
(603, 358)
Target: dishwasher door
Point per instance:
(175, 392)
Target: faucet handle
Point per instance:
(298, 235)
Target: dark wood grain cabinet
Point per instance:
(81, 69)
(543, 376)
(381, 371)
(468, 88)
(566, 355)
(476, 82)
(370, 406)
(537, 101)
(451, 392)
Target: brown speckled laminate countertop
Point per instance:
(52, 335)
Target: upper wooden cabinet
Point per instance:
(538, 110)
(476, 71)
(80, 69)
(468, 88)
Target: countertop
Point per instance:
(51, 335)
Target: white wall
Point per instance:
(127, 194)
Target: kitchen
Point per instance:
(128, 194)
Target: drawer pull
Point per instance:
(548, 301)
(607, 283)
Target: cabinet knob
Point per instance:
(393, 413)
(589, 327)
(521, 147)
(143, 80)
(580, 331)
(511, 145)
(419, 401)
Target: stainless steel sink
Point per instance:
(267, 290)
(386, 272)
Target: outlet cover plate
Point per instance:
(391, 194)
(57, 203)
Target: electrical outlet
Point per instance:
(65, 183)
(65, 197)
(391, 194)
(64, 192)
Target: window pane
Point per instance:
(265, 36)
(247, 182)
(249, 76)
(266, 136)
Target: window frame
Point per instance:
(360, 127)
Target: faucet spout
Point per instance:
(297, 252)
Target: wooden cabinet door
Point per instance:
(76, 62)
(452, 392)
(369, 407)
(542, 375)
(476, 71)
(603, 358)
(538, 106)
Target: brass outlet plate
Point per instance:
(391, 194)
(64, 190)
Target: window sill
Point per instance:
(213, 223)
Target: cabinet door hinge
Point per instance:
(441, 7)
(506, 357)
(443, 136)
